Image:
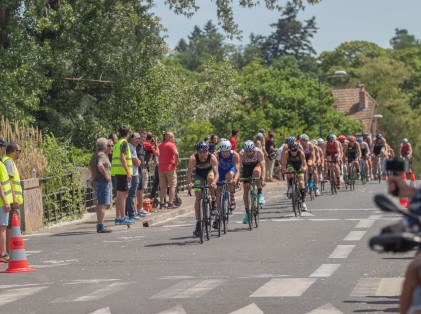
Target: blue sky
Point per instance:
(338, 21)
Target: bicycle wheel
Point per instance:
(362, 172)
(207, 218)
(299, 201)
(257, 215)
(379, 172)
(352, 178)
(252, 206)
(201, 221)
(294, 199)
(333, 182)
(225, 212)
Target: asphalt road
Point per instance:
(319, 263)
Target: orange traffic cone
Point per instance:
(403, 201)
(412, 183)
(17, 262)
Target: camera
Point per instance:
(395, 165)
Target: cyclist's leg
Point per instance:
(257, 173)
(197, 194)
(247, 173)
(229, 176)
(301, 184)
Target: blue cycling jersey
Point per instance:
(226, 163)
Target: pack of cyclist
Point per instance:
(312, 161)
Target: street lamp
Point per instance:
(375, 118)
(338, 73)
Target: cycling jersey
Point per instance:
(294, 161)
(351, 152)
(203, 168)
(225, 165)
(364, 151)
(377, 147)
(405, 150)
(307, 152)
(250, 163)
(331, 149)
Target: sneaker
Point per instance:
(358, 176)
(196, 232)
(215, 224)
(304, 206)
(4, 258)
(103, 230)
(289, 192)
(126, 221)
(117, 221)
(171, 206)
(246, 219)
(135, 217)
(317, 192)
(162, 206)
(144, 212)
(260, 198)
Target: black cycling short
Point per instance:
(122, 185)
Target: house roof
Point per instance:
(347, 100)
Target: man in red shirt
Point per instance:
(167, 168)
(233, 139)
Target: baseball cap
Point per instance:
(135, 135)
(3, 142)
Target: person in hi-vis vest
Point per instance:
(6, 198)
(13, 151)
(121, 168)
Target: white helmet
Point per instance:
(320, 141)
(248, 146)
(225, 145)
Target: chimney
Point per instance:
(362, 102)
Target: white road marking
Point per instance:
(345, 209)
(386, 287)
(365, 223)
(284, 287)
(375, 217)
(87, 281)
(16, 294)
(325, 219)
(24, 285)
(287, 219)
(326, 309)
(325, 270)
(188, 289)
(105, 310)
(342, 251)
(306, 214)
(101, 293)
(249, 309)
(176, 226)
(263, 276)
(355, 236)
(175, 310)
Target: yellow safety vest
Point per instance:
(116, 166)
(17, 187)
(5, 184)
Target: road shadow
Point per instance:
(382, 300)
(72, 233)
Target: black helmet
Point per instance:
(202, 146)
(365, 134)
(379, 136)
(330, 138)
(293, 146)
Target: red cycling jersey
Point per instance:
(331, 149)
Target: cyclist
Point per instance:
(228, 168)
(310, 154)
(319, 145)
(353, 154)
(206, 166)
(405, 150)
(367, 139)
(379, 149)
(365, 153)
(253, 162)
(294, 159)
(332, 153)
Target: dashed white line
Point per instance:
(365, 223)
(325, 270)
(284, 287)
(355, 236)
(342, 251)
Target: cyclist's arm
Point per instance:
(192, 163)
(313, 154)
(261, 159)
(409, 150)
(214, 164)
(303, 161)
(284, 159)
(400, 150)
(359, 150)
(236, 161)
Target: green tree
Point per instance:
(404, 40)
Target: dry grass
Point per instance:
(30, 140)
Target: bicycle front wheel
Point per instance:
(252, 205)
(206, 219)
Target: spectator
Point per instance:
(130, 201)
(271, 155)
(121, 167)
(114, 139)
(6, 198)
(278, 158)
(167, 168)
(99, 168)
(155, 183)
(13, 151)
(233, 139)
(145, 152)
(213, 143)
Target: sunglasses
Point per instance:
(110, 145)
(18, 150)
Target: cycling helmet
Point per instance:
(379, 136)
(259, 135)
(222, 139)
(320, 141)
(330, 138)
(342, 138)
(334, 136)
(360, 140)
(365, 134)
(249, 146)
(290, 140)
(293, 147)
(202, 146)
(225, 145)
(405, 141)
(352, 139)
(304, 137)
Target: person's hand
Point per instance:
(108, 178)
(263, 183)
(91, 183)
(190, 185)
(129, 177)
(398, 187)
(15, 204)
(7, 207)
(213, 185)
